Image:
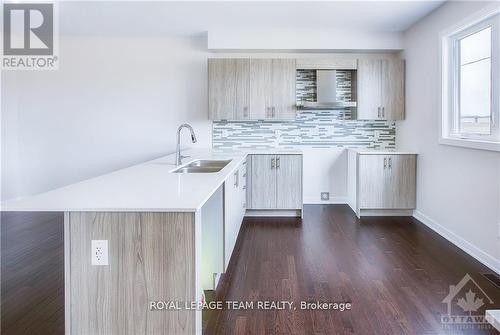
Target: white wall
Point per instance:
(458, 189)
(324, 40)
(113, 102)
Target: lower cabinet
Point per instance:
(261, 182)
(275, 182)
(234, 209)
(382, 184)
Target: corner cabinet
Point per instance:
(380, 89)
(275, 184)
(382, 183)
(243, 89)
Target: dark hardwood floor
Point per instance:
(32, 273)
(394, 271)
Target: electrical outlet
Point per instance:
(377, 134)
(99, 252)
(325, 195)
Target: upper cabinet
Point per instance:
(283, 93)
(261, 88)
(265, 89)
(242, 89)
(228, 89)
(330, 63)
(380, 89)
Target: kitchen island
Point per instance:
(165, 238)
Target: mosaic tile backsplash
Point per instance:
(310, 129)
(313, 129)
(307, 89)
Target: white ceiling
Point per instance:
(156, 18)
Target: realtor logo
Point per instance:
(464, 303)
(29, 36)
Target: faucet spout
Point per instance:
(178, 155)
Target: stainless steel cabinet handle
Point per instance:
(390, 163)
(278, 163)
(236, 178)
(383, 112)
(245, 111)
(273, 163)
(378, 112)
(385, 163)
(273, 112)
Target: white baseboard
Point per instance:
(483, 257)
(332, 201)
(385, 212)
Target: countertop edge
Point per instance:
(382, 152)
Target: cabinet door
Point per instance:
(221, 88)
(283, 89)
(400, 181)
(261, 88)
(369, 89)
(372, 181)
(289, 181)
(393, 89)
(249, 182)
(230, 218)
(263, 181)
(242, 89)
(242, 193)
(228, 89)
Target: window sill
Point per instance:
(472, 144)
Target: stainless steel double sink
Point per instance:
(203, 166)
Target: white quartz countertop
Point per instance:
(382, 152)
(262, 151)
(146, 187)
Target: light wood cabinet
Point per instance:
(401, 181)
(251, 89)
(228, 89)
(393, 89)
(380, 89)
(275, 182)
(261, 88)
(372, 181)
(289, 181)
(263, 181)
(283, 89)
(330, 63)
(381, 183)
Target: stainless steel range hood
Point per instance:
(326, 93)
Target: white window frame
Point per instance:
(450, 84)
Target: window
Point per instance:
(471, 88)
(474, 89)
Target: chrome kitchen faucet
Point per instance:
(178, 156)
